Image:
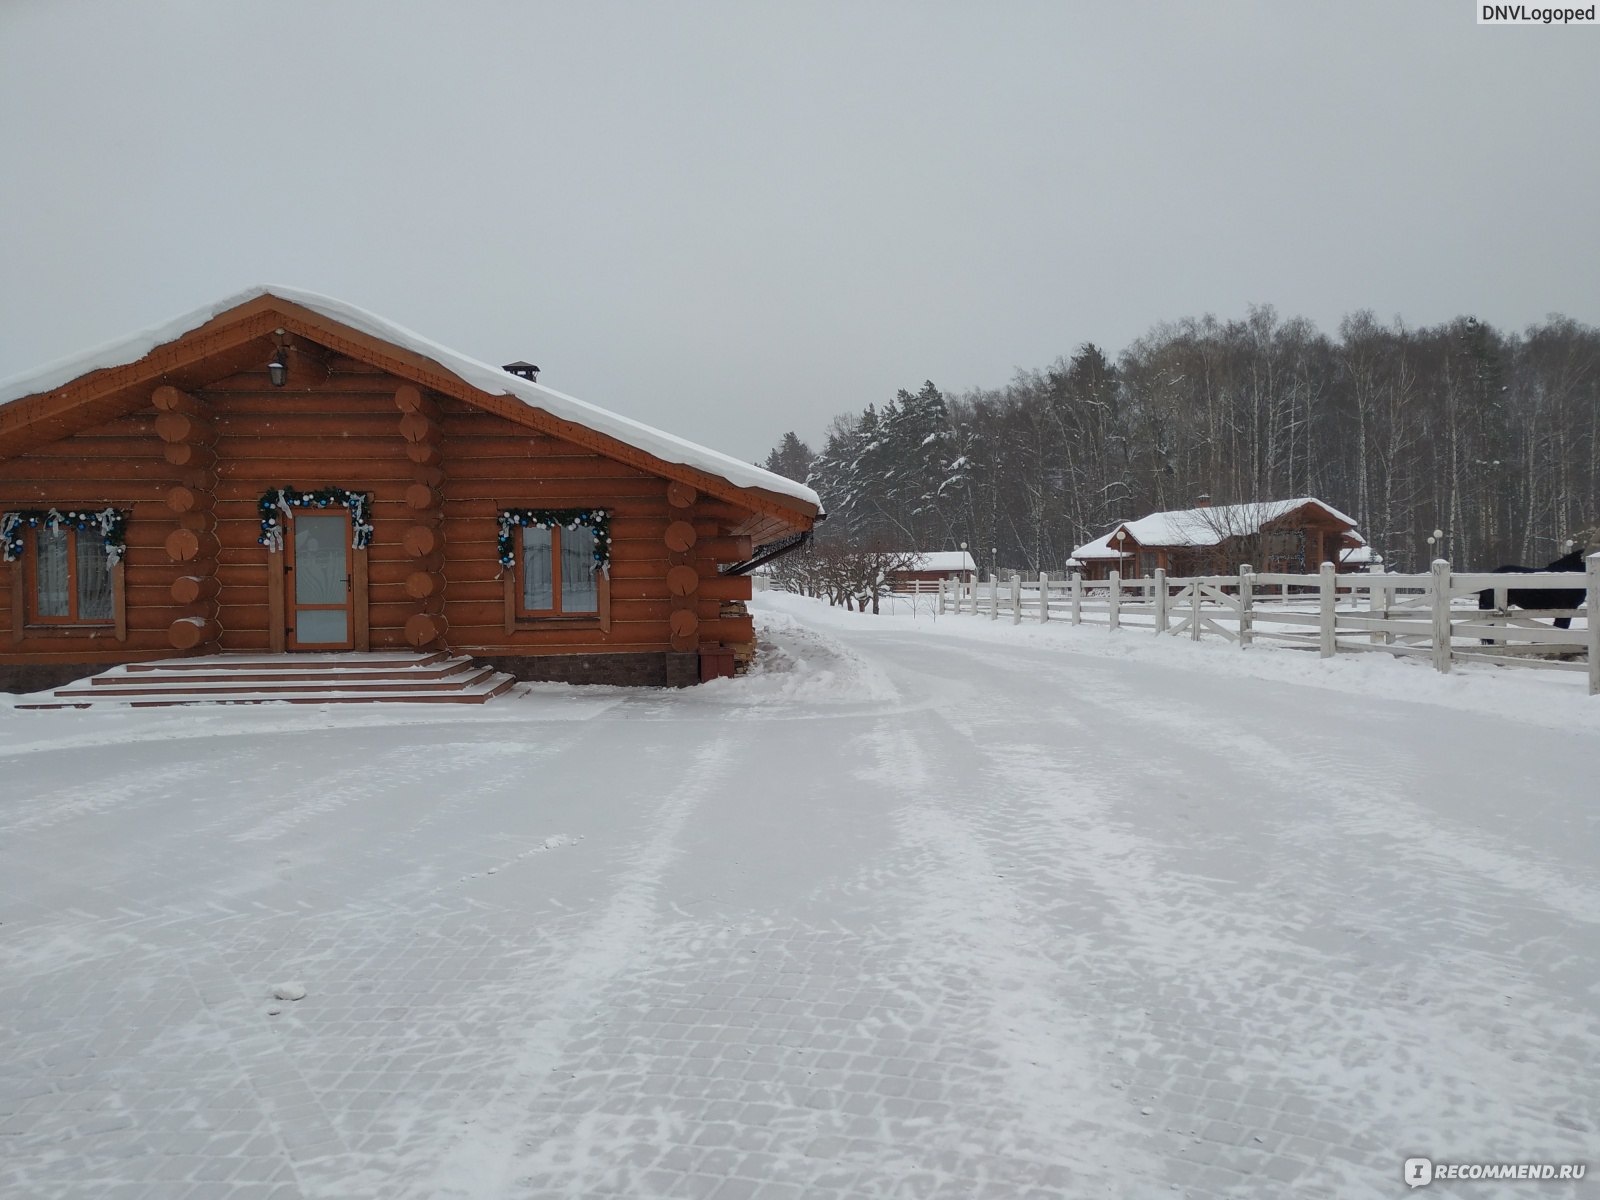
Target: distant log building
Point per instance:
(1290, 536)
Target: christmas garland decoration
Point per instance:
(276, 504)
(598, 520)
(110, 523)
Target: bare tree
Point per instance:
(853, 572)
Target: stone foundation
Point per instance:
(744, 653)
(41, 677)
(627, 670)
(670, 669)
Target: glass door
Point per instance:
(319, 578)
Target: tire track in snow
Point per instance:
(486, 1159)
(376, 778)
(118, 787)
(396, 854)
(971, 929)
(1388, 1029)
(1163, 985)
(1053, 808)
(1459, 1005)
(1181, 971)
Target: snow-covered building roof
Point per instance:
(1360, 556)
(478, 375)
(1099, 548)
(945, 560)
(1212, 525)
(1204, 526)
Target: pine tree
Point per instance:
(792, 458)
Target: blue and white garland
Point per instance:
(598, 520)
(110, 523)
(275, 508)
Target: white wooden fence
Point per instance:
(1433, 616)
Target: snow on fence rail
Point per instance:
(1424, 615)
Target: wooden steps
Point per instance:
(388, 677)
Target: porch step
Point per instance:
(268, 675)
(374, 660)
(291, 678)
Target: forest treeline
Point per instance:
(1493, 437)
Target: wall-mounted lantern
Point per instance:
(278, 368)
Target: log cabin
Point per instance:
(933, 568)
(1288, 536)
(281, 473)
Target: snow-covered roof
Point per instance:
(945, 560)
(1213, 525)
(1360, 555)
(493, 380)
(1099, 548)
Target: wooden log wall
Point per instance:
(119, 463)
(424, 539)
(192, 471)
(492, 463)
(680, 536)
(184, 424)
(332, 426)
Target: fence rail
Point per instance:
(1421, 615)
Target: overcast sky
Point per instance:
(734, 219)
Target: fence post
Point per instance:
(1378, 608)
(1247, 606)
(1502, 601)
(1195, 600)
(1161, 599)
(1441, 615)
(1115, 598)
(941, 597)
(1327, 597)
(1591, 616)
(1044, 597)
(994, 596)
(1075, 598)
(1016, 598)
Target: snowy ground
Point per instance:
(923, 908)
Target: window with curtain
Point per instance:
(556, 573)
(71, 578)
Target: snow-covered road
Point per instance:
(921, 909)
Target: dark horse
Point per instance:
(1537, 598)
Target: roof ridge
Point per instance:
(479, 375)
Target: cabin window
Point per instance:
(70, 578)
(556, 573)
